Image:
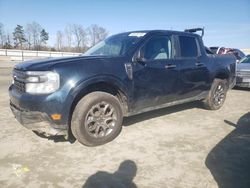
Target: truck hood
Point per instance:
(243, 67)
(49, 63)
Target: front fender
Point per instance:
(101, 78)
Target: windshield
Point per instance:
(245, 59)
(116, 45)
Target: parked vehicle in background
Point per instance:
(243, 72)
(222, 50)
(214, 49)
(126, 74)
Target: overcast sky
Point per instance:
(227, 23)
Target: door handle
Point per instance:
(170, 66)
(198, 64)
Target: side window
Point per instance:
(188, 46)
(157, 48)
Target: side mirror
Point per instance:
(139, 59)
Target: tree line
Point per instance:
(32, 36)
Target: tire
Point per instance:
(97, 119)
(217, 95)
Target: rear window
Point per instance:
(188, 46)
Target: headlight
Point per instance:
(41, 82)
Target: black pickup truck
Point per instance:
(126, 74)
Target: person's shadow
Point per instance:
(229, 160)
(122, 178)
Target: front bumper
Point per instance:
(36, 121)
(34, 111)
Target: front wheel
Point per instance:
(97, 119)
(217, 95)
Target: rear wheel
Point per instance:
(97, 119)
(217, 95)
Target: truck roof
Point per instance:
(164, 32)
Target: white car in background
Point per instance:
(222, 50)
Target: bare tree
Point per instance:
(68, 36)
(59, 40)
(79, 35)
(96, 34)
(7, 41)
(29, 35)
(1, 35)
(33, 31)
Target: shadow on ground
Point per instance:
(241, 88)
(160, 112)
(56, 138)
(229, 160)
(122, 178)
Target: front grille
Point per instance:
(19, 80)
(20, 86)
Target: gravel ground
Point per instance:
(182, 146)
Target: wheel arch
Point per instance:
(222, 74)
(110, 85)
(104, 86)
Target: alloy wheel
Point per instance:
(100, 120)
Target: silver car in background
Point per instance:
(243, 72)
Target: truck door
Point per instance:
(155, 73)
(194, 74)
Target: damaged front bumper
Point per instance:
(36, 121)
